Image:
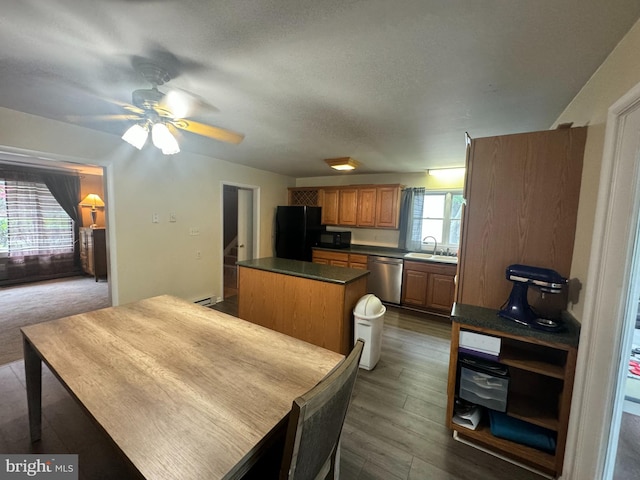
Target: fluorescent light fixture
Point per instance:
(447, 172)
(163, 139)
(342, 164)
(136, 135)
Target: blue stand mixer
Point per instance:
(517, 306)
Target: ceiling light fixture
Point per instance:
(342, 164)
(136, 135)
(162, 138)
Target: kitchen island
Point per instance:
(305, 300)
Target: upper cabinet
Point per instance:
(329, 200)
(366, 206)
(348, 207)
(521, 195)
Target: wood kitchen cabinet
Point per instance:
(340, 259)
(366, 206)
(521, 195)
(93, 252)
(348, 207)
(329, 201)
(388, 206)
(428, 286)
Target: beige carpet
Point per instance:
(39, 302)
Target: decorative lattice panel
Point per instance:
(304, 197)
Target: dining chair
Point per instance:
(315, 423)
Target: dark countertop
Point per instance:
(379, 251)
(488, 318)
(313, 271)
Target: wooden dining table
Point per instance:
(184, 391)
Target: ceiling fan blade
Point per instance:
(210, 131)
(102, 118)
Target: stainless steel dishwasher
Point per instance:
(385, 279)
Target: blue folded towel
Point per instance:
(519, 431)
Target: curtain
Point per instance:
(411, 207)
(41, 237)
(66, 190)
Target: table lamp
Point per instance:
(92, 200)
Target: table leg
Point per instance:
(33, 374)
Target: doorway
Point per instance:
(611, 300)
(240, 232)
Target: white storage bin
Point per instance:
(368, 318)
(484, 389)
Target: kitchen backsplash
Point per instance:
(371, 236)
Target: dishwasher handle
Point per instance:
(386, 261)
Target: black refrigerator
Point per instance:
(297, 231)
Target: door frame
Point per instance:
(256, 225)
(598, 392)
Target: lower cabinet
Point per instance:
(340, 259)
(428, 286)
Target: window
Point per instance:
(441, 217)
(31, 221)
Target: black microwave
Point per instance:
(335, 239)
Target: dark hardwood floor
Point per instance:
(395, 428)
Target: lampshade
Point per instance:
(92, 200)
(163, 139)
(344, 163)
(136, 136)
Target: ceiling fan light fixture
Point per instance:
(162, 138)
(136, 135)
(343, 163)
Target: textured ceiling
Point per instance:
(394, 84)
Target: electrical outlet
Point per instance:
(172, 217)
(194, 231)
(198, 254)
(155, 218)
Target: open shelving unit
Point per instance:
(541, 370)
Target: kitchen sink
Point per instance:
(431, 258)
(421, 256)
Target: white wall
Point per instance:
(616, 76)
(148, 258)
(597, 359)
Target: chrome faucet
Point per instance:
(435, 242)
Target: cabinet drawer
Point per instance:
(431, 267)
(484, 389)
(323, 254)
(357, 258)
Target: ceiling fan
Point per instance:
(161, 114)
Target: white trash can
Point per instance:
(368, 318)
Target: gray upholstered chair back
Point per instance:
(315, 423)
